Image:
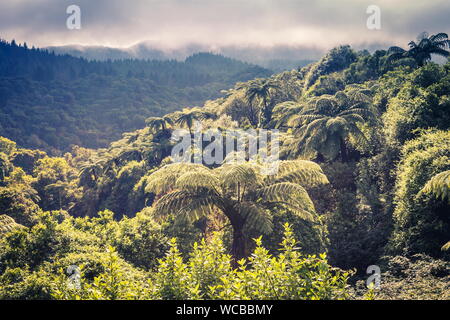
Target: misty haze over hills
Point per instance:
(277, 58)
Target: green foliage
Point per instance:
(336, 60)
(31, 258)
(421, 103)
(439, 185)
(387, 187)
(259, 93)
(421, 52)
(116, 282)
(7, 224)
(311, 235)
(27, 159)
(21, 284)
(288, 276)
(328, 84)
(329, 123)
(24, 248)
(7, 146)
(55, 183)
(421, 221)
(52, 102)
(18, 199)
(371, 67)
(140, 241)
(207, 274)
(239, 191)
(418, 277)
(353, 209)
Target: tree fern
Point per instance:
(237, 190)
(421, 51)
(330, 123)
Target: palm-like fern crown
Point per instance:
(157, 123)
(327, 120)
(187, 117)
(284, 111)
(260, 90)
(238, 190)
(422, 50)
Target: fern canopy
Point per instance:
(329, 124)
(238, 190)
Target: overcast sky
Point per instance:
(174, 23)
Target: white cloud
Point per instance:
(171, 23)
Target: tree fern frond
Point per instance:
(302, 119)
(357, 134)
(243, 174)
(439, 36)
(198, 179)
(396, 49)
(359, 111)
(353, 117)
(439, 185)
(440, 52)
(312, 127)
(337, 124)
(291, 194)
(198, 207)
(256, 218)
(8, 224)
(165, 178)
(178, 201)
(443, 44)
(357, 95)
(303, 172)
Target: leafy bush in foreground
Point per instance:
(208, 274)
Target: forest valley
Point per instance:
(363, 179)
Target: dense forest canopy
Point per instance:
(276, 58)
(363, 180)
(51, 102)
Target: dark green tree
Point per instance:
(238, 191)
(260, 92)
(327, 124)
(422, 51)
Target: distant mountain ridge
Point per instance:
(277, 59)
(51, 101)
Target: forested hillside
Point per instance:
(275, 58)
(363, 180)
(52, 102)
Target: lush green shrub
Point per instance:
(21, 284)
(118, 280)
(421, 221)
(418, 277)
(336, 60)
(140, 241)
(207, 274)
(422, 103)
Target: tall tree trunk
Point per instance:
(344, 155)
(239, 248)
(264, 115)
(240, 244)
(260, 118)
(267, 113)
